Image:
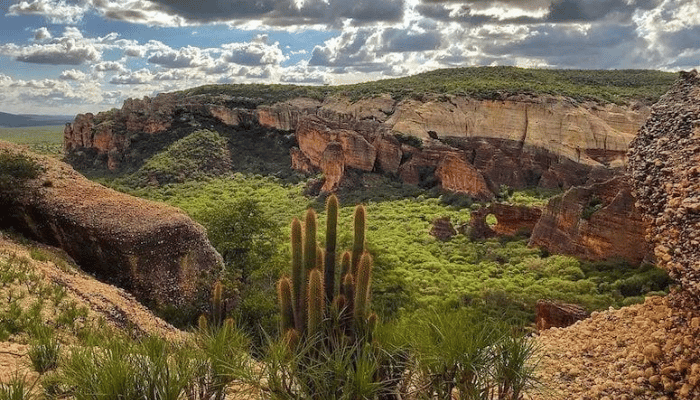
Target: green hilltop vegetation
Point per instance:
(604, 86)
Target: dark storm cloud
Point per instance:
(399, 40)
(602, 46)
(285, 12)
(594, 10)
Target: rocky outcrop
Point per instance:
(553, 314)
(153, 250)
(519, 141)
(442, 229)
(596, 222)
(333, 166)
(511, 220)
(665, 167)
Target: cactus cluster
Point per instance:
(311, 303)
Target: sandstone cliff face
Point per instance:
(665, 167)
(596, 222)
(153, 250)
(520, 141)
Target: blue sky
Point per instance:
(71, 56)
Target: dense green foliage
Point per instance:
(501, 276)
(201, 153)
(607, 86)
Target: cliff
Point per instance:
(153, 250)
(519, 140)
(595, 222)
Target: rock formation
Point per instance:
(595, 222)
(153, 250)
(510, 220)
(665, 167)
(550, 314)
(442, 229)
(519, 141)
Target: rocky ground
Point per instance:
(645, 351)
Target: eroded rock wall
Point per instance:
(595, 222)
(665, 169)
(151, 249)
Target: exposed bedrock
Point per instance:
(150, 249)
(511, 220)
(595, 222)
(665, 169)
(519, 141)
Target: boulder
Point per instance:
(442, 229)
(595, 222)
(665, 170)
(552, 314)
(151, 249)
(457, 175)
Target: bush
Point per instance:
(44, 353)
(16, 169)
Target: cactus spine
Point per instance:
(358, 246)
(331, 239)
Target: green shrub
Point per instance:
(16, 169)
(16, 389)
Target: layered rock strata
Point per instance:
(595, 222)
(520, 141)
(665, 167)
(153, 250)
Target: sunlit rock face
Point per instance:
(665, 169)
(595, 222)
(153, 250)
(519, 141)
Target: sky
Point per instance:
(73, 56)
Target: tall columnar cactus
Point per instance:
(315, 303)
(217, 309)
(298, 274)
(361, 306)
(284, 293)
(358, 246)
(331, 239)
(310, 303)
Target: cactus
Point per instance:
(358, 246)
(331, 239)
(312, 297)
(315, 303)
(298, 273)
(202, 323)
(217, 310)
(362, 292)
(284, 293)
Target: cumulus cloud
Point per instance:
(57, 12)
(256, 52)
(139, 77)
(69, 49)
(106, 66)
(42, 34)
(182, 58)
(72, 75)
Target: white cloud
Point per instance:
(42, 34)
(72, 75)
(256, 52)
(57, 12)
(139, 77)
(69, 49)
